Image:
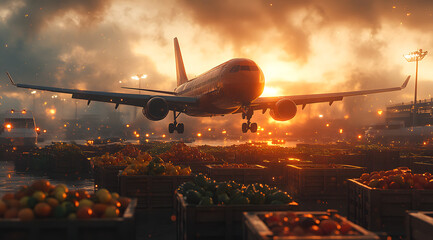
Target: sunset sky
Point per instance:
(305, 46)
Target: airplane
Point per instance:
(232, 87)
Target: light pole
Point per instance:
(415, 57)
(34, 102)
(138, 77)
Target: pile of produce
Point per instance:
(42, 200)
(399, 178)
(293, 224)
(59, 160)
(204, 191)
(156, 166)
(128, 155)
(180, 153)
(235, 165)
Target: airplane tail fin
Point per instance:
(180, 68)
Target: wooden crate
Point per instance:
(276, 171)
(152, 192)
(377, 160)
(215, 222)
(385, 210)
(419, 225)
(256, 173)
(198, 167)
(107, 177)
(321, 186)
(255, 229)
(53, 229)
(320, 181)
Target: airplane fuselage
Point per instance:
(225, 88)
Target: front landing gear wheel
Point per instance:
(180, 128)
(244, 127)
(253, 127)
(171, 128)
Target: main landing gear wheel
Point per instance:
(175, 126)
(248, 114)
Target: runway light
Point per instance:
(380, 112)
(341, 130)
(137, 135)
(147, 134)
(359, 136)
(163, 135)
(135, 132)
(327, 125)
(45, 130)
(209, 129)
(127, 125)
(198, 134)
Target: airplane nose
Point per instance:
(244, 86)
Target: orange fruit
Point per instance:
(13, 203)
(99, 209)
(329, 226)
(11, 213)
(111, 212)
(41, 185)
(26, 214)
(42, 209)
(84, 213)
(345, 228)
(103, 195)
(39, 195)
(52, 202)
(8, 196)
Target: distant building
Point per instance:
(403, 113)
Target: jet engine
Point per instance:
(156, 109)
(284, 110)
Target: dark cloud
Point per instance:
(30, 19)
(246, 22)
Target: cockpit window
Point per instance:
(254, 68)
(245, 68)
(234, 69)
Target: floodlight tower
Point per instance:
(415, 57)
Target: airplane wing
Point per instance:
(264, 103)
(176, 103)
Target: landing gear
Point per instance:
(248, 114)
(179, 127)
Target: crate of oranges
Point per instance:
(45, 211)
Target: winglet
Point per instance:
(10, 78)
(405, 82)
